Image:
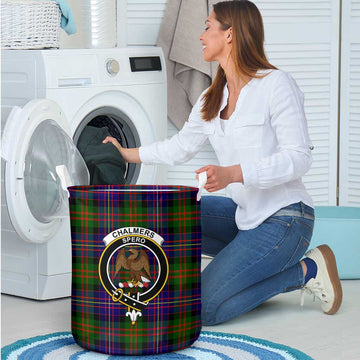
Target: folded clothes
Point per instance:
(67, 17)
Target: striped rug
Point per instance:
(209, 346)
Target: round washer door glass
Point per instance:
(51, 162)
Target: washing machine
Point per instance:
(49, 98)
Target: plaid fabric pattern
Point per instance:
(170, 321)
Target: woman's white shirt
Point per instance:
(266, 134)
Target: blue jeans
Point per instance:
(249, 266)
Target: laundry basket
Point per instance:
(136, 253)
(27, 24)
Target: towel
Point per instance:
(67, 17)
(188, 75)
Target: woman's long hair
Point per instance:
(247, 50)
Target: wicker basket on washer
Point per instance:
(27, 24)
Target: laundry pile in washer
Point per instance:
(105, 164)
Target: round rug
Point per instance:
(209, 346)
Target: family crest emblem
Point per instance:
(133, 268)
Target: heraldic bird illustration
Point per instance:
(136, 263)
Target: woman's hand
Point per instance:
(218, 177)
(129, 155)
(114, 142)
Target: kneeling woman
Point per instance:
(253, 116)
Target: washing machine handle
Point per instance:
(7, 146)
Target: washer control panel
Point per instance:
(145, 63)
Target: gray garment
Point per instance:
(188, 75)
(105, 163)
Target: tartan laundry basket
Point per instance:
(136, 255)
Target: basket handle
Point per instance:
(64, 176)
(202, 182)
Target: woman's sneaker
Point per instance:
(326, 285)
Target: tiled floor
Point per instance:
(280, 320)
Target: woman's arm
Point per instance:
(130, 155)
(293, 158)
(176, 150)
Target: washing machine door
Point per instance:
(40, 162)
